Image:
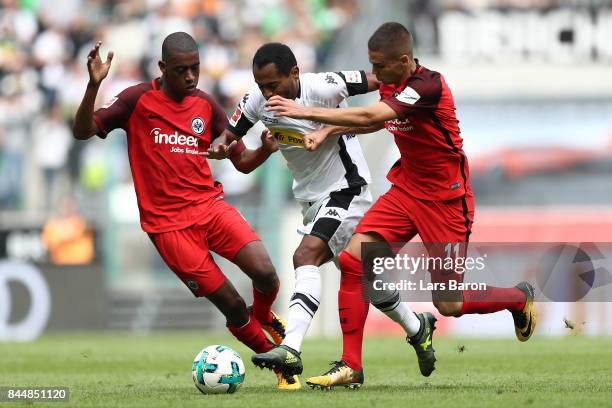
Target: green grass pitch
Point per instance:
(114, 369)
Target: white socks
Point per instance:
(303, 305)
(399, 312)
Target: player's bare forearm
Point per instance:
(84, 124)
(250, 159)
(314, 140)
(348, 117)
(349, 130)
(355, 117)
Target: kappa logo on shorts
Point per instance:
(331, 212)
(335, 213)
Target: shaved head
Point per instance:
(392, 39)
(178, 43)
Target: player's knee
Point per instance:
(308, 255)
(448, 308)
(263, 273)
(267, 280)
(350, 266)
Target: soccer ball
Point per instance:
(217, 370)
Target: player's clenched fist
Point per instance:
(220, 151)
(98, 70)
(313, 140)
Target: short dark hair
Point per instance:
(179, 42)
(392, 39)
(276, 53)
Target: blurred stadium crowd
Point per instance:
(43, 48)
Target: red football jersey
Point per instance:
(166, 143)
(433, 165)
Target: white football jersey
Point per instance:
(338, 163)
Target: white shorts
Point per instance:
(334, 218)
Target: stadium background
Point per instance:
(532, 84)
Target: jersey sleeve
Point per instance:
(116, 112)
(419, 95)
(356, 82)
(219, 118)
(331, 88)
(245, 115)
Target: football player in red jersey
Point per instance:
(430, 196)
(170, 124)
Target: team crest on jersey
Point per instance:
(352, 77)
(409, 96)
(197, 125)
(193, 285)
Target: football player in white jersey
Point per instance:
(330, 183)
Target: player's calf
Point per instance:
(446, 308)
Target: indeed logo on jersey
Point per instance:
(397, 125)
(176, 141)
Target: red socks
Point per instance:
(262, 304)
(252, 336)
(353, 309)
(492, 300)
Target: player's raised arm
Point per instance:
(84, 124)
(357, 117)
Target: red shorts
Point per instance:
(221, 229)
(398, 216)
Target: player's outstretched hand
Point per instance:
(285, 107)
(98, 70)
(220, 151)
(268, 141)
(313, 140)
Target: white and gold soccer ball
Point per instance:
(218, 370)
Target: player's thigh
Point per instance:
(231, 236)
(444, 227)
(338, 217)
(227, 231)
(390, 218)
(445, 221)
(186, 254)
